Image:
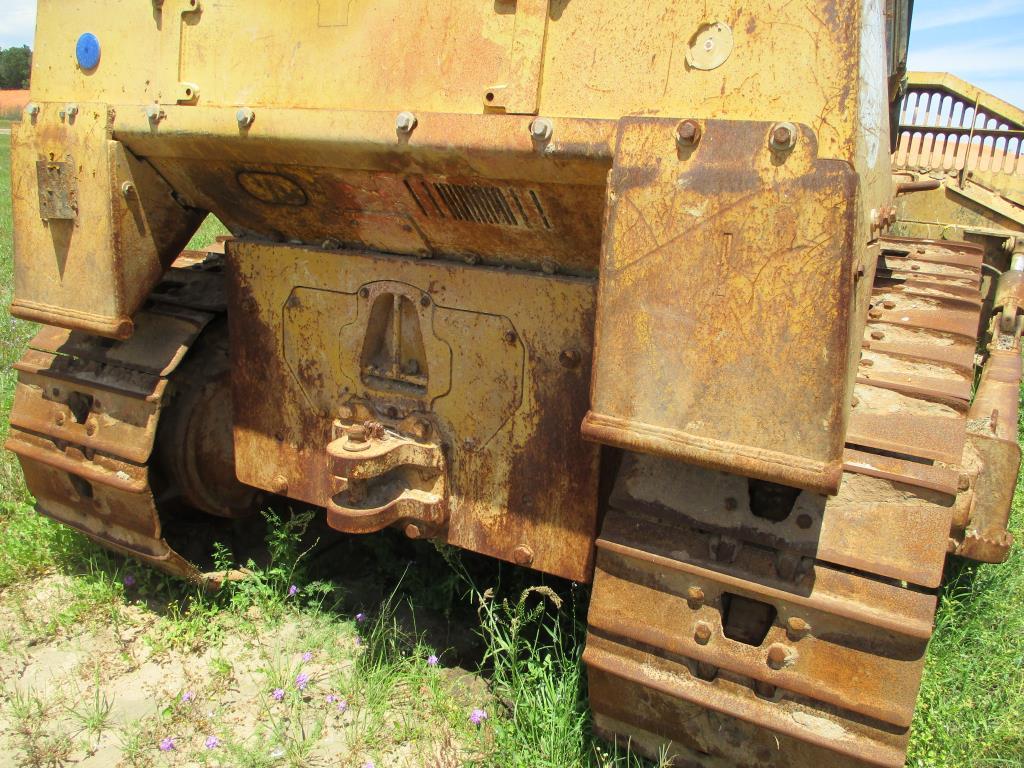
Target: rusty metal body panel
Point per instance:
(737, 226)
(101, 225)
(501, 361)
(477, 247)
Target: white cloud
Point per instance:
(17, 23)
(936, 15)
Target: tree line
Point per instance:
(15, 65)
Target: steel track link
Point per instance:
(748, 625)
(86, 413)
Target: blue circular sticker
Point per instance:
(88, 51)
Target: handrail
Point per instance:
(949, 126)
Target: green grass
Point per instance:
(970, 714)
(208, 232)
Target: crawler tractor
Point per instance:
(632, 293)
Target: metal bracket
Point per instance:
(176, 90)
(520, 93)
(382, 478)
(58, 189)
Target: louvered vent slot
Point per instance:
(479, 204)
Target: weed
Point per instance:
(38, 736)
(93, 714)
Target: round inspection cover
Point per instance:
(710, 46)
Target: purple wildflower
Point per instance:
(360, 617)
(431, 660)
(331, 698)
(369, 764)
(301, 681)
(293, 591)
(477, 716)
(187, 696)
(307, 656)
(212, 742)
(278, 694)
(166, 744)
(342, 706)
(359, 641)
(128, 581)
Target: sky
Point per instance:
(981, 41)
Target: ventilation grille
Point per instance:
(942, 131)
(505, 207)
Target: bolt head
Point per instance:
(413, 531)
(688, 133)
(797, 628)
(357, 433)
(280, 485)
(421, 429)
(877, 335)
(783, 137)
(71, 109)
(695, 595)
(522, 555)
(127, 189)
(405, 122)
(541, 129)
(779, 656)
(154, 113)
(702, 632)
(59, 419)
(245, 117)
(32, 110)
(510, 337)
(570, 358)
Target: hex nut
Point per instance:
(688, 133)
(783, 137)
(405, 122)
(522, 555)
(702, 632)
(541, 129)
